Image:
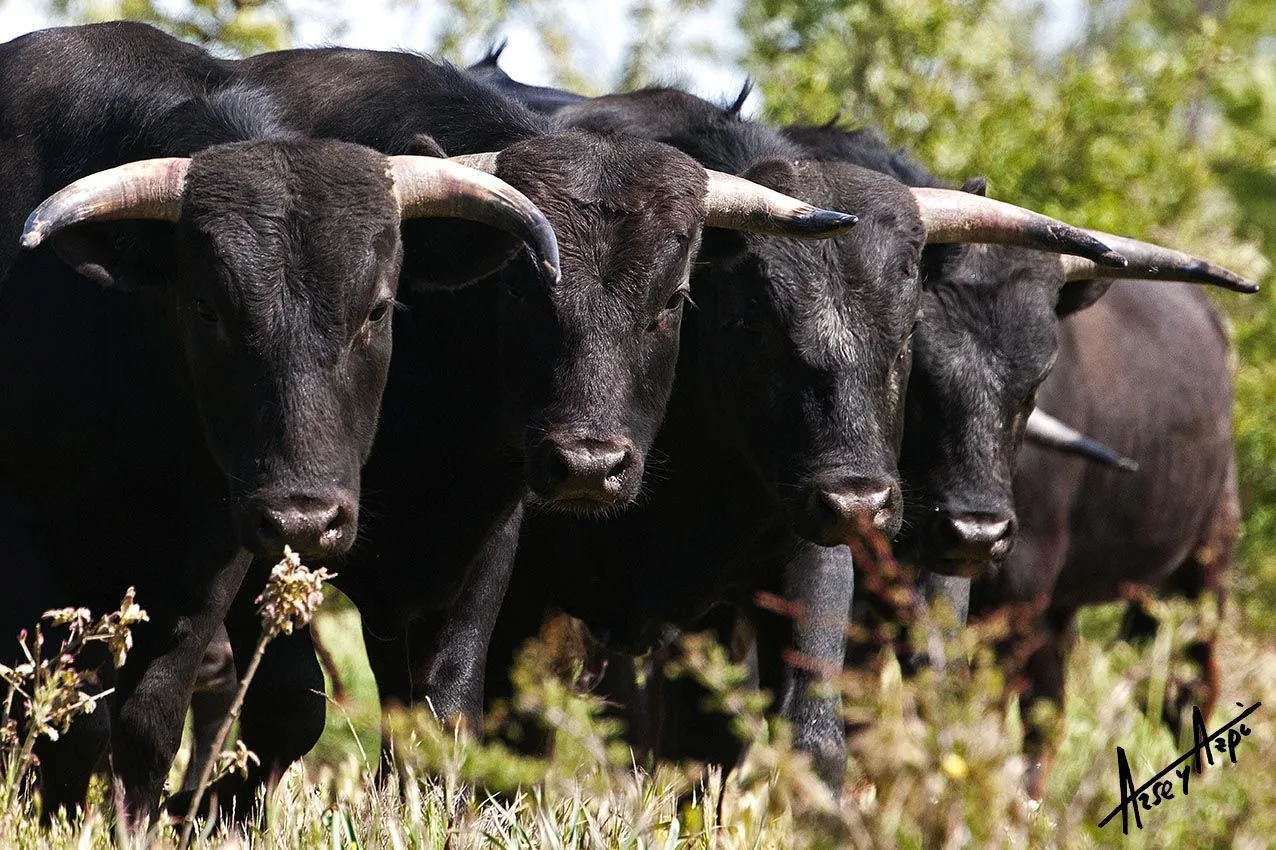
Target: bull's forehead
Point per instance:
(305, 231)
(625, 210)
(575, 174)
(309, 177)
(853, 296)
(991, 307)
(1011, 291)
(837, 323)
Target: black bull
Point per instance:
(218, 375)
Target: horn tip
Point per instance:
(1113, 259)
(821, 222)
(1127, 464)
(551, 272)
(32, 236)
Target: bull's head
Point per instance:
(986, 341)
(279, 270)
(592, 358)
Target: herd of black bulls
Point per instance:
(805, 335)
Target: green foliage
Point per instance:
(1160, 123)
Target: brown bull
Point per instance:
(1147, 374)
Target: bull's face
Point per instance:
(985, 342)
(290, 257)
(806, 345)
(591, 360)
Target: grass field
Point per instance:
(938, 766)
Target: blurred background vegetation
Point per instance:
(1155, 118)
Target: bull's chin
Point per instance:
(310, 555)
(579, 506)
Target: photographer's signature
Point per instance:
(1158, 789)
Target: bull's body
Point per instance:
(1148, 372)
(106, 476)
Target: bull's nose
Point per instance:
(578, 469)
(979, 536)
(838, 512)
(309, 525)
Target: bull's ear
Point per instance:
(1078, 294)
(777, 174)
(423, 144)
(124, 257)
(976, 186)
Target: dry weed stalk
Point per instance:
(292, 595)
(51, 688)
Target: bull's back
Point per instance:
(1146, 371)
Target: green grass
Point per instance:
(938, 767)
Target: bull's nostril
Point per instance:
(306, 523)
(852, 506)
(334, 529)
(619, 466)
(981, 529)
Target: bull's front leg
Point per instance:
(216, 683)
(282, 715)
(154, 687)
(818, 582)
(449, 649)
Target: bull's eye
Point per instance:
(669, 314)
(379, 311)
(676, 300)
(205, 311)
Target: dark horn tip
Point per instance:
(1103, 454)
(1112, 258)
(827, 221)
(1074, 241)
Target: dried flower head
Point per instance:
(53, 691)
(74, 617)
(236, 760)
(292, 595)
(114, 627)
